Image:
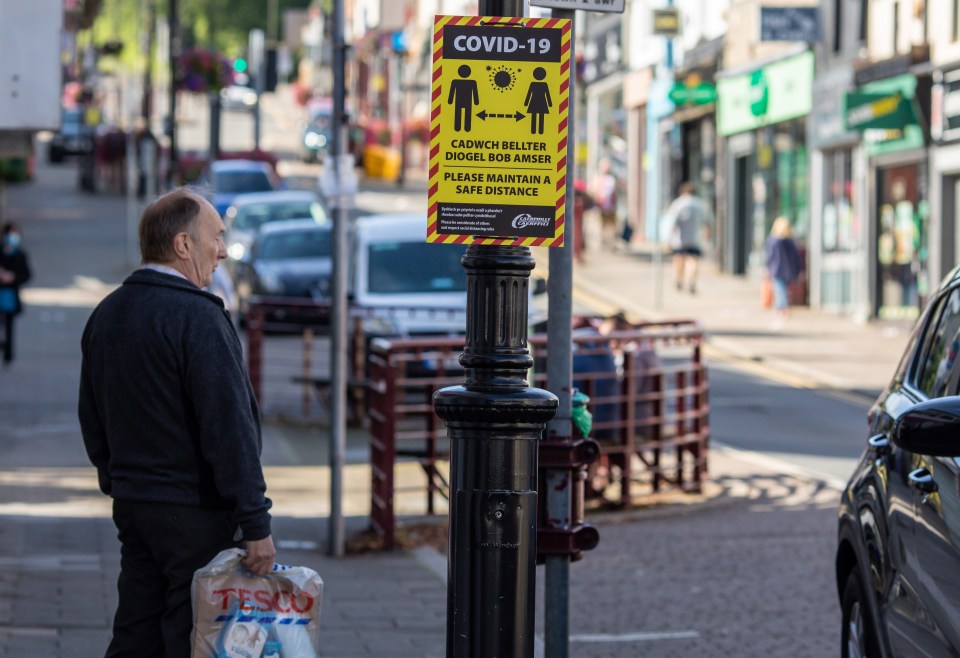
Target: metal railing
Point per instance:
(647, 384)
(649, 395)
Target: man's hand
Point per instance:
(260, 556)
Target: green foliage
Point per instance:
(225, 24)
(220, 25)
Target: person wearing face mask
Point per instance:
(14, 272)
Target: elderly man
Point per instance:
(170, 421)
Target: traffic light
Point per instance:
(240, 65)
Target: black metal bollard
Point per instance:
(494, 421)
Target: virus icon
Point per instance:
(502, 78)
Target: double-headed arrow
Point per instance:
(485, 115)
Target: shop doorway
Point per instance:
(901, 229)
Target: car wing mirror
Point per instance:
(930, 428)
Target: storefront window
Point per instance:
(613, 143)
(840, 229)
(779, 184)
(790, 196)
(902, 241)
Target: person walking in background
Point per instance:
(783, 262)
(14, 272)
(688, 220)
(170, 422)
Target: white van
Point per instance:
(402, 285)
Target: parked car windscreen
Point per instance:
(252, 216)
(415, 267)
(295, 244)
(242, 181)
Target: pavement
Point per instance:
(59, 555)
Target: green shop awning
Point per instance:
(873, 111)
(885, 111)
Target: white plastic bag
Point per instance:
(236, 614)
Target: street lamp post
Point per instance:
(495, 422)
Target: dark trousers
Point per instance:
(161, 546)
(7, 337)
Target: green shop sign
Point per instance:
(873, 111)
(777, 92)
(701, 94)
(884, 112)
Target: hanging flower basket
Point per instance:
(203, 71)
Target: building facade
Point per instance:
(837, 249)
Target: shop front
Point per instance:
(945, 168)
(887, 114)
(838, 230)
(605, 118)
(694, 94)
(761, 114)
(636, 89)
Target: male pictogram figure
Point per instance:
(463, 94)
(538, 101)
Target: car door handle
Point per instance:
(922, 480)
(880, 444)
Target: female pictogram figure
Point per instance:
(538, 101)
(463, 94)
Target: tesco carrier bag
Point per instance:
(237, 614)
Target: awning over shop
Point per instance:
(885, 112)
(864, 111)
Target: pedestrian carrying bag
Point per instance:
(237, 614)
(8, 300)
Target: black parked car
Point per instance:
(898, 556)
(290, 258)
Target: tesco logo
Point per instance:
(263, 601)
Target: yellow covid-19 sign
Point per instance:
(498, 130)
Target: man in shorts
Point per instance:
(689, 218)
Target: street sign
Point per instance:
(790, 24)
(498, 130)
(610, 6)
